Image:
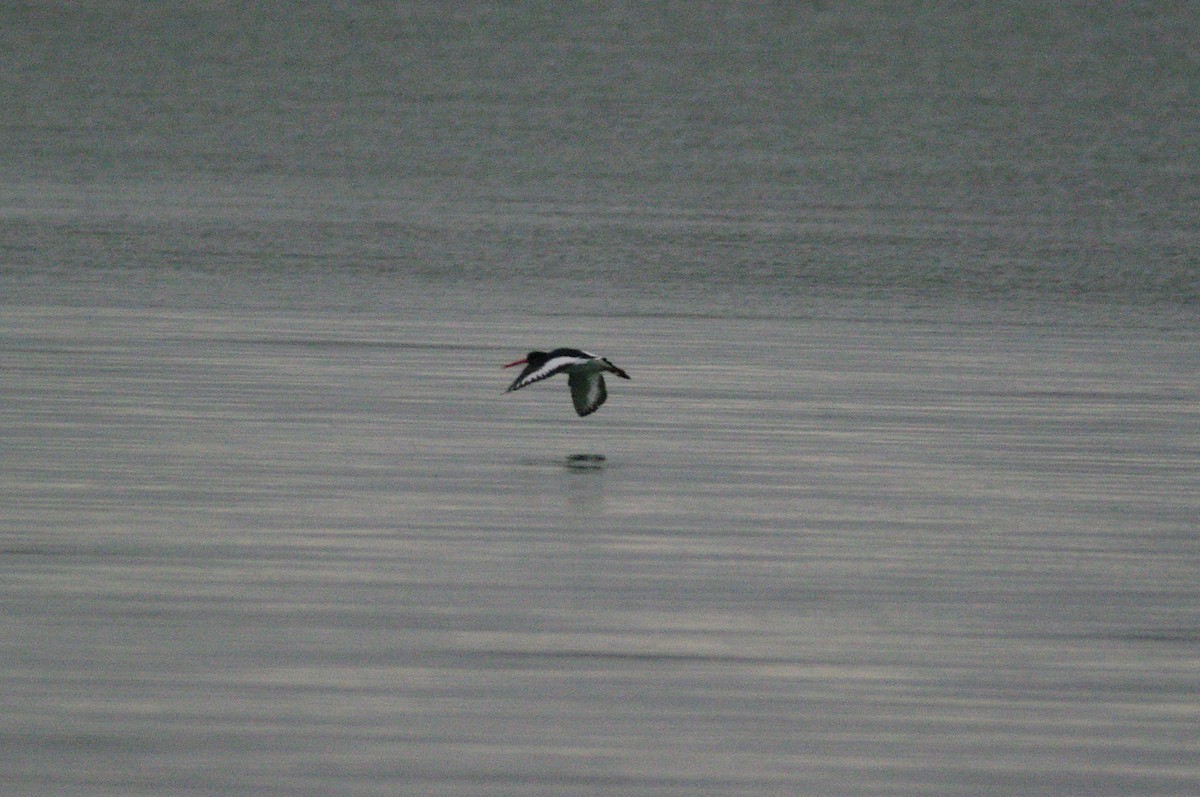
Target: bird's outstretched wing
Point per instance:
(587, 391)
(547, 369)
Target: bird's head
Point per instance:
(534, 358)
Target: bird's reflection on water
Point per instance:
(585, 461)
(574, 462)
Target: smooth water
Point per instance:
(901, 498)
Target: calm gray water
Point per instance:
(902, 497)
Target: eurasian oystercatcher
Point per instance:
(585, 375)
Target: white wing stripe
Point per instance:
(549, 368)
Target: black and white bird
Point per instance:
(585, 375)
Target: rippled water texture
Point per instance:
(280, 554)
(901, 498)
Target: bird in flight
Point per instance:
(585, 375)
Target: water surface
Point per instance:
(901, 498)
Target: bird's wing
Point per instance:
(587, 391)
(549, 368)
